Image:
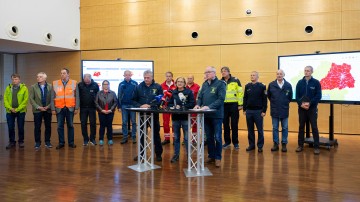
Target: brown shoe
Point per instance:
(217, 163)
(210, 160)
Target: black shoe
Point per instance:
(10, 145)
(135, 158)
(284, 149)
(165, 142)
(174, 158)
(60, 146)
(72, 146)
(158, 158)
(260, 150)
(134, 140)
(250, 148)
(275, 147)
(124, 140)
(21, 145)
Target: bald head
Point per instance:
(190, 80)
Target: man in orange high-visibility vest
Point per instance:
(65, 103)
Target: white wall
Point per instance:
(35, 18)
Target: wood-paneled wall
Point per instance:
(160, 30)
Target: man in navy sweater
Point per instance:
(280, 94)
(254, 106)
(308, 95)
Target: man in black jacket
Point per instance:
(254, 106)
(143, 97)
(88, 90)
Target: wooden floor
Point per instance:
(97, 173)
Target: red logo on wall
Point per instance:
(97, 74)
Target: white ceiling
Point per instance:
(9, 46)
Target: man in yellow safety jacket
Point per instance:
(232, 104)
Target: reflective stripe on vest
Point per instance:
(64, 96)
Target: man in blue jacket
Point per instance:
(212, 96)
(125, 92)
(308, 95)
(143, 97)
(280, 94)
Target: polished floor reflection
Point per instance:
(102, 174)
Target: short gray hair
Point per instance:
(148, 72)
(43, 74)
(87, 75)
(310, 67)
(281, 70)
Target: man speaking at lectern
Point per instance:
(308, 95)
(144, 96)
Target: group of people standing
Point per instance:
(226, 96)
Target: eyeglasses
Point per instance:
(180, 82)
(105, 84)
(208, 72)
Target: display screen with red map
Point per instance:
(338, 73)
(113, 70)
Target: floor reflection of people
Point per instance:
(255, 185)
(308, 168)
(280, 178)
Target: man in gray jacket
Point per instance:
(40, 99)
(212, 96)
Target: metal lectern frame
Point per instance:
(145, 163)
(196, 166)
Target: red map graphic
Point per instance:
(96, 74)
(339, 76)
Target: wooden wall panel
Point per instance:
(311, 47)
(158, 11)
(194, 10)
(326, 26)
(350, 45)
(350, 5)
(135, 13)
(135, 36)
(102, 55)
(250, 57)
(286, 7)
(101, 16)
(264, 30)
(350, 119)
(194, 60)
(208, 33)
(158, 35)
(351, 24)
(103, 38)
(238, 8)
